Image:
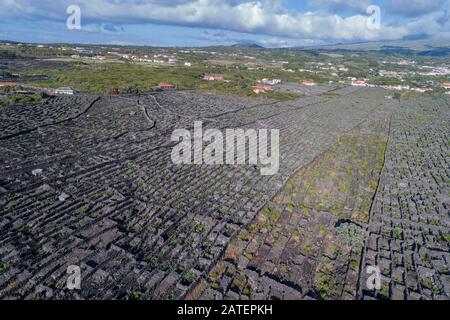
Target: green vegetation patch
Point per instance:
(351, 234)
(344, 180)
(22, 99)
(101, 78)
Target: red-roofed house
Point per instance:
(8, 84)
(359, 83)
(308, 83)
(262, 88)
(445, 85)
(166, 86)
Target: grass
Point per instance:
(323, 230)
(397, 234)
(215, 274)
(101, 78)
(354, 264)
(290, 207)
(283, 268)
(307, 249)
(325, 285)
(332, 94)
(239, 284)
(446, 237)
(215, 286)
(272, 215)
(22, 98)
(351, 234)
(410, 95)
(244, 236)
(249, 256)
(190, 276)
(5, 266)
(26, 230)
(201, 229)
(342, 181)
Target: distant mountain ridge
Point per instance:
(427, 47)
(410, 45)
(247, 46)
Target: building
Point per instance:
(188, 64)
(445, 85)
(166, 86)
(8, 84)
(271, 82)
(64, 90)
(359, 83)
(308, 83)
(213, 77)
(262, 88)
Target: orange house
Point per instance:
(166, 86)
(8, 84)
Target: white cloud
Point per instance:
(414, 7)
(359, 6)
(436, 24)
(259, 17)
(276, 42)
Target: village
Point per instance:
(392, 75)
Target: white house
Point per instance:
(271, 82)
(65, 90)
(213, 77)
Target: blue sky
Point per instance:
(271, 23)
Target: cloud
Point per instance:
(102, 27)
(215, 36)
(435, 25)
(414, 8)
(112, 27)
(275, 42)
(359, 6)
(264, 17)
(258, 17)
(444, 19)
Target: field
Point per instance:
(88, 180)
(98, 77)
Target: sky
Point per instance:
(189, 23)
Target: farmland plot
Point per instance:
(99, 190)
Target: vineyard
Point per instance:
(88, 180)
